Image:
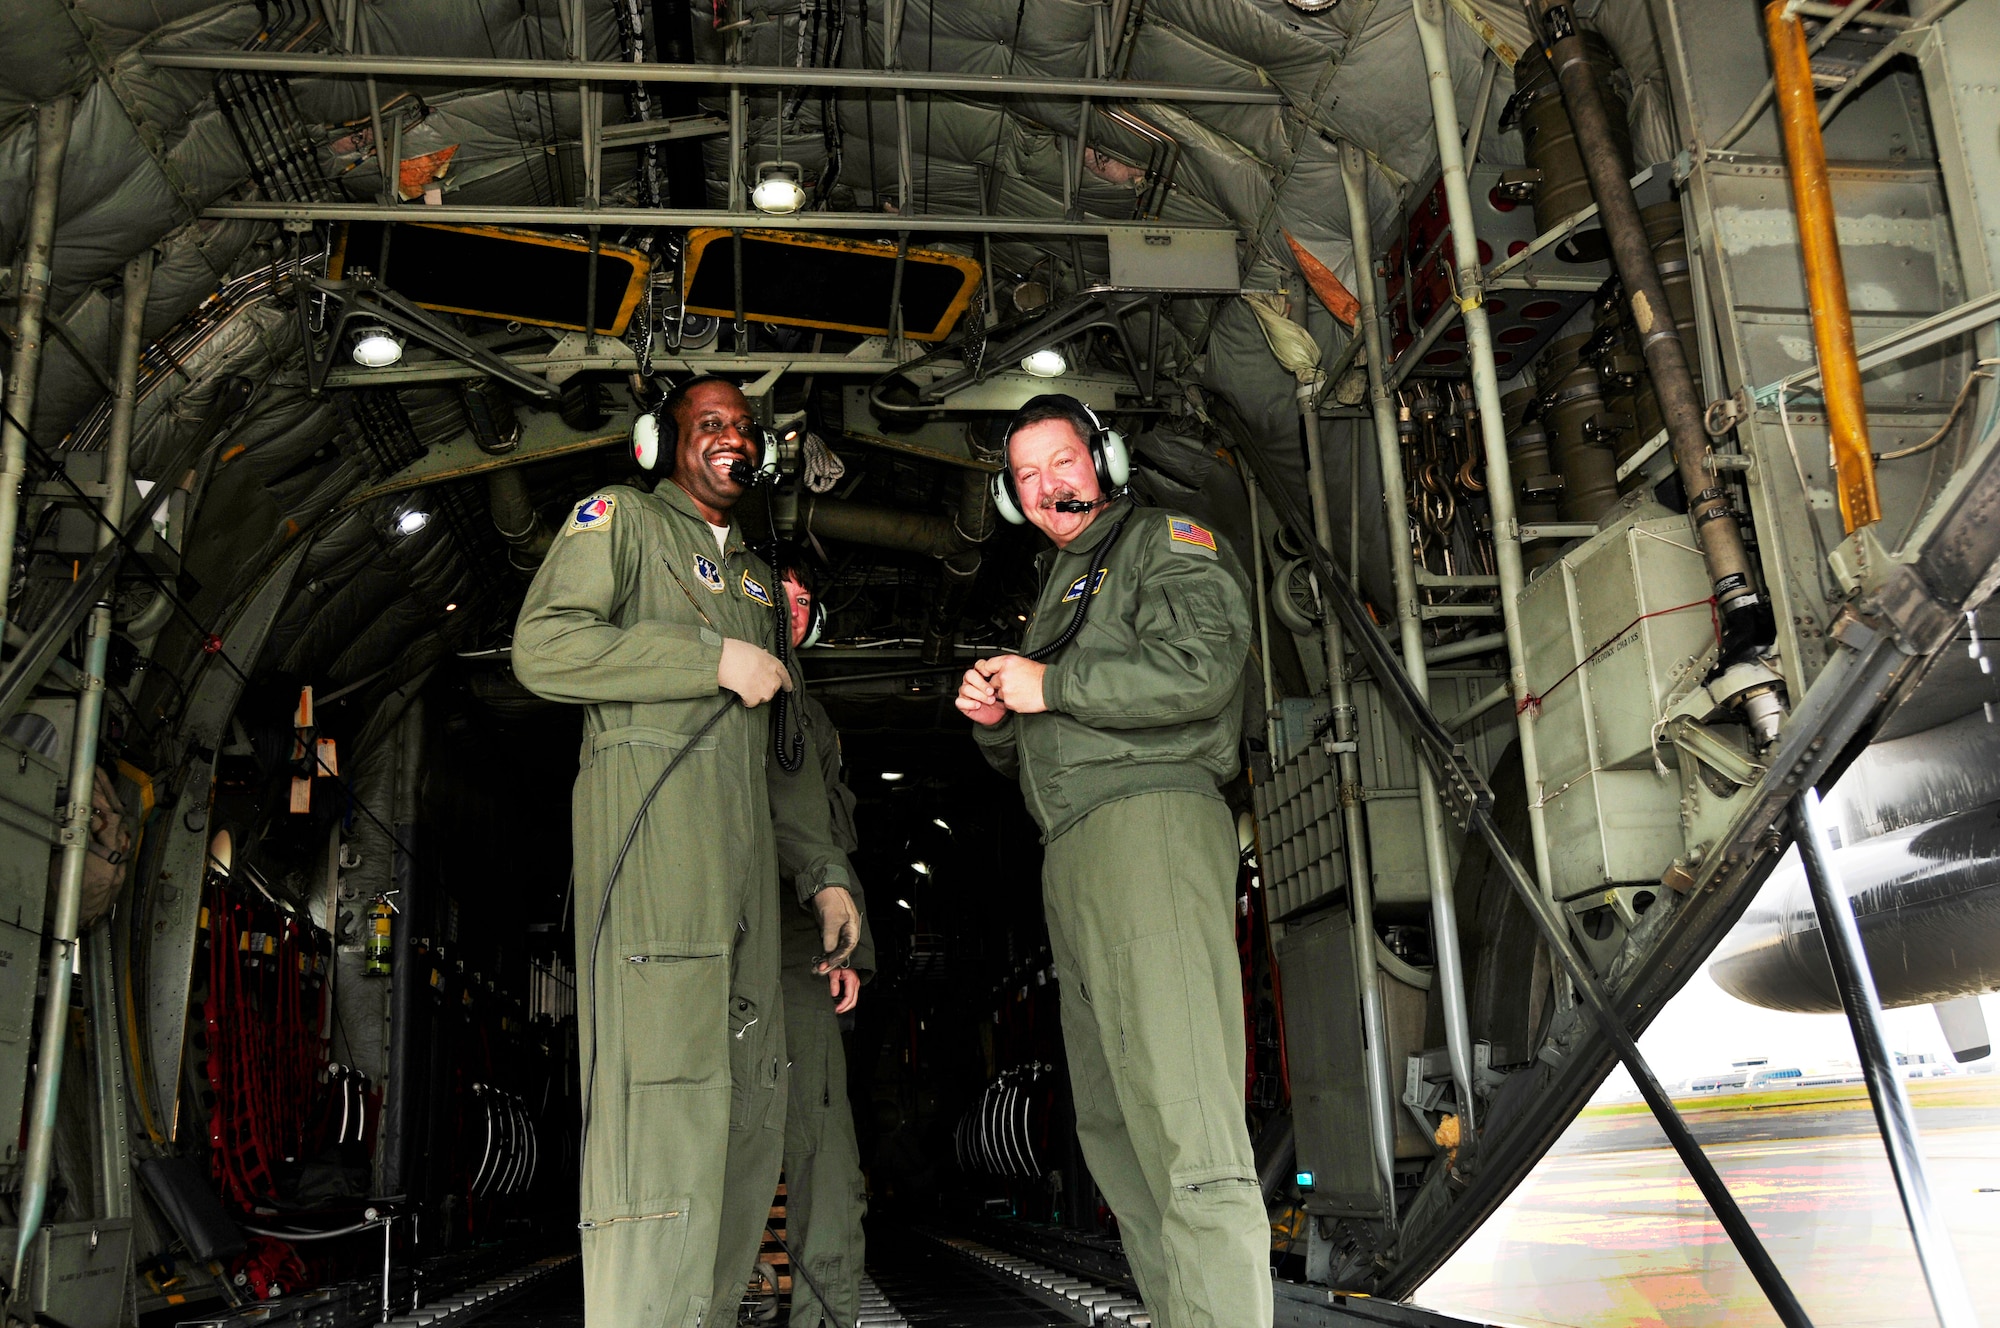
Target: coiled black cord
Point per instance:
(1089, 581)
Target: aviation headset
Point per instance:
(656, 433)
(1108, 453)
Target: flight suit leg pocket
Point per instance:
(674, 1003)
(1154, 1023)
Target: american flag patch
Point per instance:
(1187, 532)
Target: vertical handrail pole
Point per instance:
(1893, 1115)
(37, 249)
(63, 940)
(1389, 449)
(1492, 428)
(1826, 278)
(1376, 1071)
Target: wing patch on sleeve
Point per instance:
(1190, 536)
(593, 513)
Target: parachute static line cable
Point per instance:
(798, 1266)
(604, 903)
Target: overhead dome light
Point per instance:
(941, 824)
(892, 775)
(376, 347)
(778, 190)
(920, 867)
(1046, 363)
(902, 903)
(412, 521)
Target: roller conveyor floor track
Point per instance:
(948, 1281)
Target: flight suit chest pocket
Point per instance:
(673, 1007)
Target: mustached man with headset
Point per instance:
(651, 613)
(1121, 717)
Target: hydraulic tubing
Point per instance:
(399, 1110)
(1747, 625)
(37, 248)
(63, 940)
(1826, 278)
(1893, 1116)
(1389, 450)
(1263, 611)
(1492, 427)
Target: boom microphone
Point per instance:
(1078, 505)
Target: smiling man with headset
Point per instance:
(1120, 717)
(649, 610)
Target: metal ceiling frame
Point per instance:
(447, 69)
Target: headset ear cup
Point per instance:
(815, 624)
(1114, 460)
(646, 440)
(1003, 499)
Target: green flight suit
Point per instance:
(824, 1201)
(1139, 885)
(681, 1019)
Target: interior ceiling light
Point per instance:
(920, 867)
(939, 822)
(892, 775)
(1312, 6)
(412, 521)
(902, 903)
(451, 608)
(1047, 362)
(778, 190)
(376, 347)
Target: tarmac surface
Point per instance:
(1609, 1229)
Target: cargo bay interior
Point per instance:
(1593, 514)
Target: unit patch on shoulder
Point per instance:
(708, 573)
(1075, 590)
(1184, 532)
(753, 589)
(593, 513)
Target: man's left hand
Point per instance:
(1018, 681)
(844, 985)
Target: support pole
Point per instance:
(37, 248)
(1492, 428)
(1826, 278)
(63, 940)
(1746, 616)
(1263, 610)
(1893, 1115)
(1389, 450)
(1360, 881)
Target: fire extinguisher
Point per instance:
(379, 914)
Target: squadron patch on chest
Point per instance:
(708, 573)
(753, 589)
(1075, 590)
(593, 513)
(1190, 536)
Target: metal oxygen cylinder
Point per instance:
(379, 936)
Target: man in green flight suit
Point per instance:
(1120, 739)
(824, 1203)
(647, 611)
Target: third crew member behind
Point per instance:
(824, 1202)
(1120, 738)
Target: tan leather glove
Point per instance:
(751, 672)
(839, 927)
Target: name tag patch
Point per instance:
(593, 513)
(753, 590)
(1075, 590)
(708, 573)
